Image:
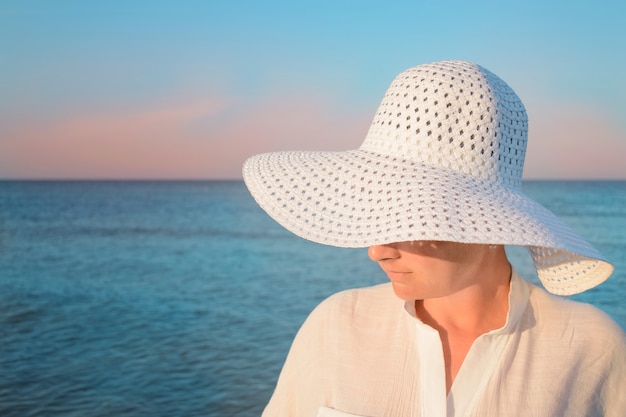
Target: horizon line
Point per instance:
(240, 179)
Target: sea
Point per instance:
(166, 298)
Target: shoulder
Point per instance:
(361, 299)
(382, 293)
(559, 309)
(575, 322)
(582, 349)
(358, 310)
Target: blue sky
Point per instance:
(189, 89)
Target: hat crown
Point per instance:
(453, 115)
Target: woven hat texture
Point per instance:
(442, 160)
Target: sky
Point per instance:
(190, 89)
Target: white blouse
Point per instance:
(364, 352)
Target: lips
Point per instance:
(396, 275)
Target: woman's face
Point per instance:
(430, 269)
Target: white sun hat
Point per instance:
(442, 160)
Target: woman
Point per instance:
(434, 191)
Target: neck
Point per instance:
(478, 307)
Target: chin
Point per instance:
(404, 293)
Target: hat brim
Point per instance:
(360, 198)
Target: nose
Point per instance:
(379, 253)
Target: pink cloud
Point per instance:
(196, 139)
(574, 141)
(108, 145)
(211, 139)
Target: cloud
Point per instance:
(112, 144)
(211, 138)
(574, 141)
(184, 139)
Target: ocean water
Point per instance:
(182, 298)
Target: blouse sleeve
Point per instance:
(299, 388)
